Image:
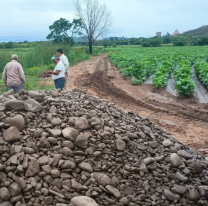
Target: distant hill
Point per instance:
(116, 38)
(201, 31)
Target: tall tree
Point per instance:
(96, 18)
(60, 30)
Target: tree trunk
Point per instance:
(90, 47)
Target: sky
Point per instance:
(30, 19)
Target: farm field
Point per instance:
(181, 71)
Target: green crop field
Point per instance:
(139, 63)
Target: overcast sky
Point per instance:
(30, 19)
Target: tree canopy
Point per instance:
(61, 28)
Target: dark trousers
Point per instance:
(17, 89)
(59, 83)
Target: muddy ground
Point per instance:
(185, 119)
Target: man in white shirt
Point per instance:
(58, 74)
(65, 61)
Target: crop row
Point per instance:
(140, 63)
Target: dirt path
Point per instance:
(184, 121)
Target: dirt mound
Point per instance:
(45, 74)
(63, 148)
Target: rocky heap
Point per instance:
(73, 149)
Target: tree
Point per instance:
(167, 39)
(9, 45)
(96, 18)
(60, 28)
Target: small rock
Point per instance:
(167, 143)
(34, 94)
(83, 201)
(102, 179)
(114, 191)
(149, 160)
(179, 189)
(120, 145)
(181, 177)
(4, 193)
(33, 106)
(55, 132)
(70, 133)
(43, 160)
(175, 160)
(14, 105)
(56, 121)
(53, 109)
(169, 195)
(193, 195)
(33, 168)
(14, 189)
(81, 124)
(82, 141)
(17, 121)
(184, 154)
(86, 167)
(11, 135)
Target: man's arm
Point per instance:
(21, 74)
(54, 73)
(4, 76)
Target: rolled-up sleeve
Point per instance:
(4, 76)
(21, 74)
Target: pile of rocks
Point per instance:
(73, 149)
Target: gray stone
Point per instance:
(114, 191)
(70, 133)
(48, 200)
(181, 177)
(184, 154)
(55, 173)
(33, 168)
(6, 203)
(68, 165)
(34, 94)
(14, 189)
(33, 106)
(120, 145)
(82, 141)
(11, 135)
(203, 190)
(10, 92)
(193, 195)
(14, 105)
(179, 189)
(55, 132)
(102, 179)
(175, 160)
(54, 93)
(148, 160)
(53, 109)
(43, 160)
(81, 124)
(169, 195)
(4, 193)
(83, 201)
(17, 121)
(86, 167)
(56, 122)
(167, 143)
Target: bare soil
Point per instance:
(185, 119)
